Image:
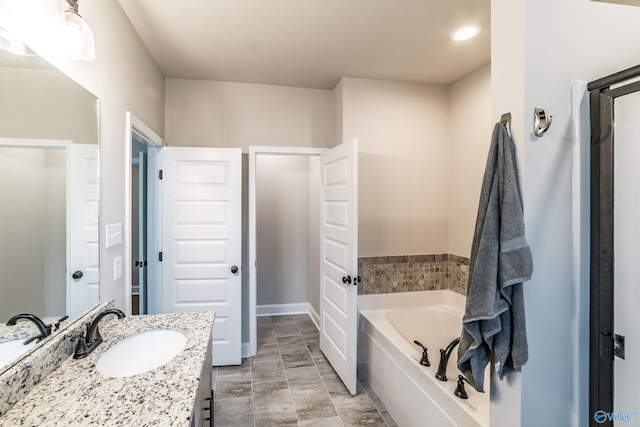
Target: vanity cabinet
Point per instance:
(176, 394)
(203, 407)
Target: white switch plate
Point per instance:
(114, 234)
(117, 268)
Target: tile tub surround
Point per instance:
(410, 273)
(77, 395)
(18, 380)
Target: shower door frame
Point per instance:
(602, 93)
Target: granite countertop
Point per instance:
(75, 394)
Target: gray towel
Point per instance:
(494, 321)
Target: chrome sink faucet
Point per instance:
(86, 344)
(45, 330)
(444, 360)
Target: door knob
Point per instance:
(234, 269)
(346, 279)
(77, 275)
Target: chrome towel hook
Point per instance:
(506, 121)
(541, 122)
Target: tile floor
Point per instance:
(290, 383)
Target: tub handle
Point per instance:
(425, 354)
(460, 391)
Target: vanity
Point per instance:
(178, 393)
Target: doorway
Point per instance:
(272, 159)
(139, 255)
(142, 275)
(336, 240)
(615, 207)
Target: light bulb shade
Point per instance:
(77, 38)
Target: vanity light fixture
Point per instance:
(76, 35)
(465, 33)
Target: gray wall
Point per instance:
(44, 103)
(282, 229)
(124, 78)
(539, 47)
(32, 252)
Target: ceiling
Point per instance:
(312, 43)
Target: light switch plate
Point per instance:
(117, 268)
(114, 234)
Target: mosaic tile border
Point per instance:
(410, 273)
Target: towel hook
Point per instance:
(541, 122)
(506, 121)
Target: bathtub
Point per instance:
(389, 360)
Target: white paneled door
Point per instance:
(202, 240)
(339, 260)
(82, 228)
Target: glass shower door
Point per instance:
(626, 264)
(614, 338)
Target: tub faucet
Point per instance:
(45, 330)
(86, 344)
(444, 360)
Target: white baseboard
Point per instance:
(277, 309)
(314, 316)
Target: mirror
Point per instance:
(49, 191)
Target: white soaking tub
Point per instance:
(389, 360)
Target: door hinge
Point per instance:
(160, 174)
(618, 346)
(160, 256)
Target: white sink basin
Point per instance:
(141, 353)
(9, 350)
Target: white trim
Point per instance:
(62, 144)
(580, 224)
(280, 309)
(132, 125)
(253, 152)
(246, 347)
(314, 316)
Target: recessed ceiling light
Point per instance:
(465, 33)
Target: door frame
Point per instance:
(601, 358)
(151, 139)
(250, 348)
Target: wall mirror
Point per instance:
(49, 182)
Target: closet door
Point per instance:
(339, 260)
(202, 240)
